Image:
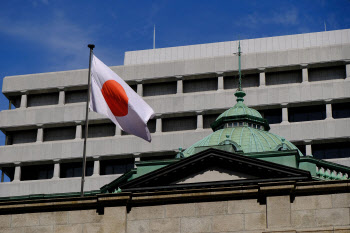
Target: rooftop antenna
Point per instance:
(325, 26)
(154, 36)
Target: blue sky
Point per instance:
(44, 35)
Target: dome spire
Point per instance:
(239, 93)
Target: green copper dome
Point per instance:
(245, 129)
(245, 139)
(240, 109)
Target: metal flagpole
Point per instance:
(91, 46)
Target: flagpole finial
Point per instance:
(91, 46)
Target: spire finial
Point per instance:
(239, 93)
(239, 67)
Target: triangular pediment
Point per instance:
(213, 174)
(211, 167)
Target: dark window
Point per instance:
(273, 116)
(116, 166)
(15, 101)
(62, 133)
(331, 150)
(248, 80)
(341, 110)
(75, 169)
(42, 99)
(100, 130)
(204, 84)
(208, 119)
(75, 96)
(326, 73)
(283, 77)
(151, 124)
(134, 87)
(166, 88)
(9, 173)
(179, 123)
(307, 113)
(302, 148)
(160, 157)
(37, 172)
(22, 136)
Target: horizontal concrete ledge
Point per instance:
(126, 146)
(256, 45)
(66, 185)
(171, 105)
(178, 196)
(269, 60)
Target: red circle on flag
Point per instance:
(115, 97)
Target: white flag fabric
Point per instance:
(112, 97)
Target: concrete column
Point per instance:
(199, 120)
(179, 89)
(118, 131)
(158, 124)
(284, 113)
(96, 166)
(220, 81)
(40, 134)
(56, 169)
(78, 130)
(61, 98)
(347, 66)
(305, 73)
(308, 149)
(262, 79)
(329, 114)
(23, 99)
(137, 158)
(17, 176)
(139, 88)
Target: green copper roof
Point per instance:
(248, 139)
(240, 109)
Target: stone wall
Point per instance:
(317, 213)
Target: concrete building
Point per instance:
(299, 83)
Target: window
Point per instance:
(208, 119)
(62, 133)
(203, 84)
(134, 87)
(307, 113)
(179, 123)
(151, 124)
(302, 148)
(273, 116)
(21, 136)
(37, 172)
(116, 166)
(249, 80)
(15, 101)
(326, 73)
(331, 150)
(283, 77)
(164, 88)
(9, 173)
(100, 130)
(75, 96)
(159, 157)
(341, 110)
(42, 99)
(74, 169)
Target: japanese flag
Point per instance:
(112, 97)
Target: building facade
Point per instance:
(299, 83)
